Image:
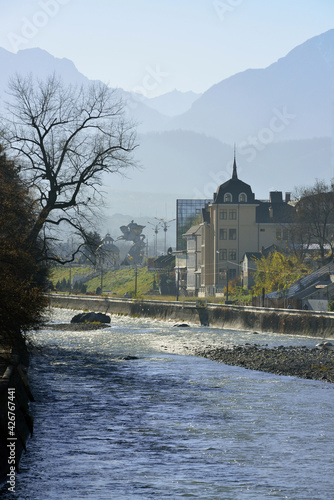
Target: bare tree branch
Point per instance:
(315, 218)
(65, 138)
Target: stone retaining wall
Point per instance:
(310, 323)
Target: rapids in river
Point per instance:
(128, 412)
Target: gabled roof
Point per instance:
(252, 255)
(193, 230)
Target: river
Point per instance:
(167, 424)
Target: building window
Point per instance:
(242, 197)
(223, 234)
(222, 273)
(285, 234)
(232, 234)
(233, 215)
(227, 198)
(278, 234)
(222, 254)
(232, 254)
(223, 214)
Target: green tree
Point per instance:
(277, 272)
(22, 279)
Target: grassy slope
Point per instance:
(60, 272)
(116, 281)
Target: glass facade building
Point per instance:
(188, 213)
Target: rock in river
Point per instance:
(91, 317)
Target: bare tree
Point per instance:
(65, 138)
(315, 217)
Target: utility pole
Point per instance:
(156, 228)
(165, 227)
(178, 284)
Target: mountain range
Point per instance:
(301, 83)
(280, 117)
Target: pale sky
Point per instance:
(155, 46)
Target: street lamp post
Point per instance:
(156, 228)
(165, 227)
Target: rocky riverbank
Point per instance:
(316, 364)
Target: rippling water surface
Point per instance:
(169, 425)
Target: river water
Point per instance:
(168, 424)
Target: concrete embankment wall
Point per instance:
(310, 323)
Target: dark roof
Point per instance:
(234, 186)
(253, 255)
(267, 212)
(164, 261)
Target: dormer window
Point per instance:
(227, 198)
(242, 198)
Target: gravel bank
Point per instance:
(296, 361)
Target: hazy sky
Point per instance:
(154, 46)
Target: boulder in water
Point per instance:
(91, 317)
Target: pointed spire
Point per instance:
(234, 173)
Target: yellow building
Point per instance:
(233, 224)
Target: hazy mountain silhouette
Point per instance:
(281, 118)
(41, 64)
(193, 166)
(298, 86)
(172, 103)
